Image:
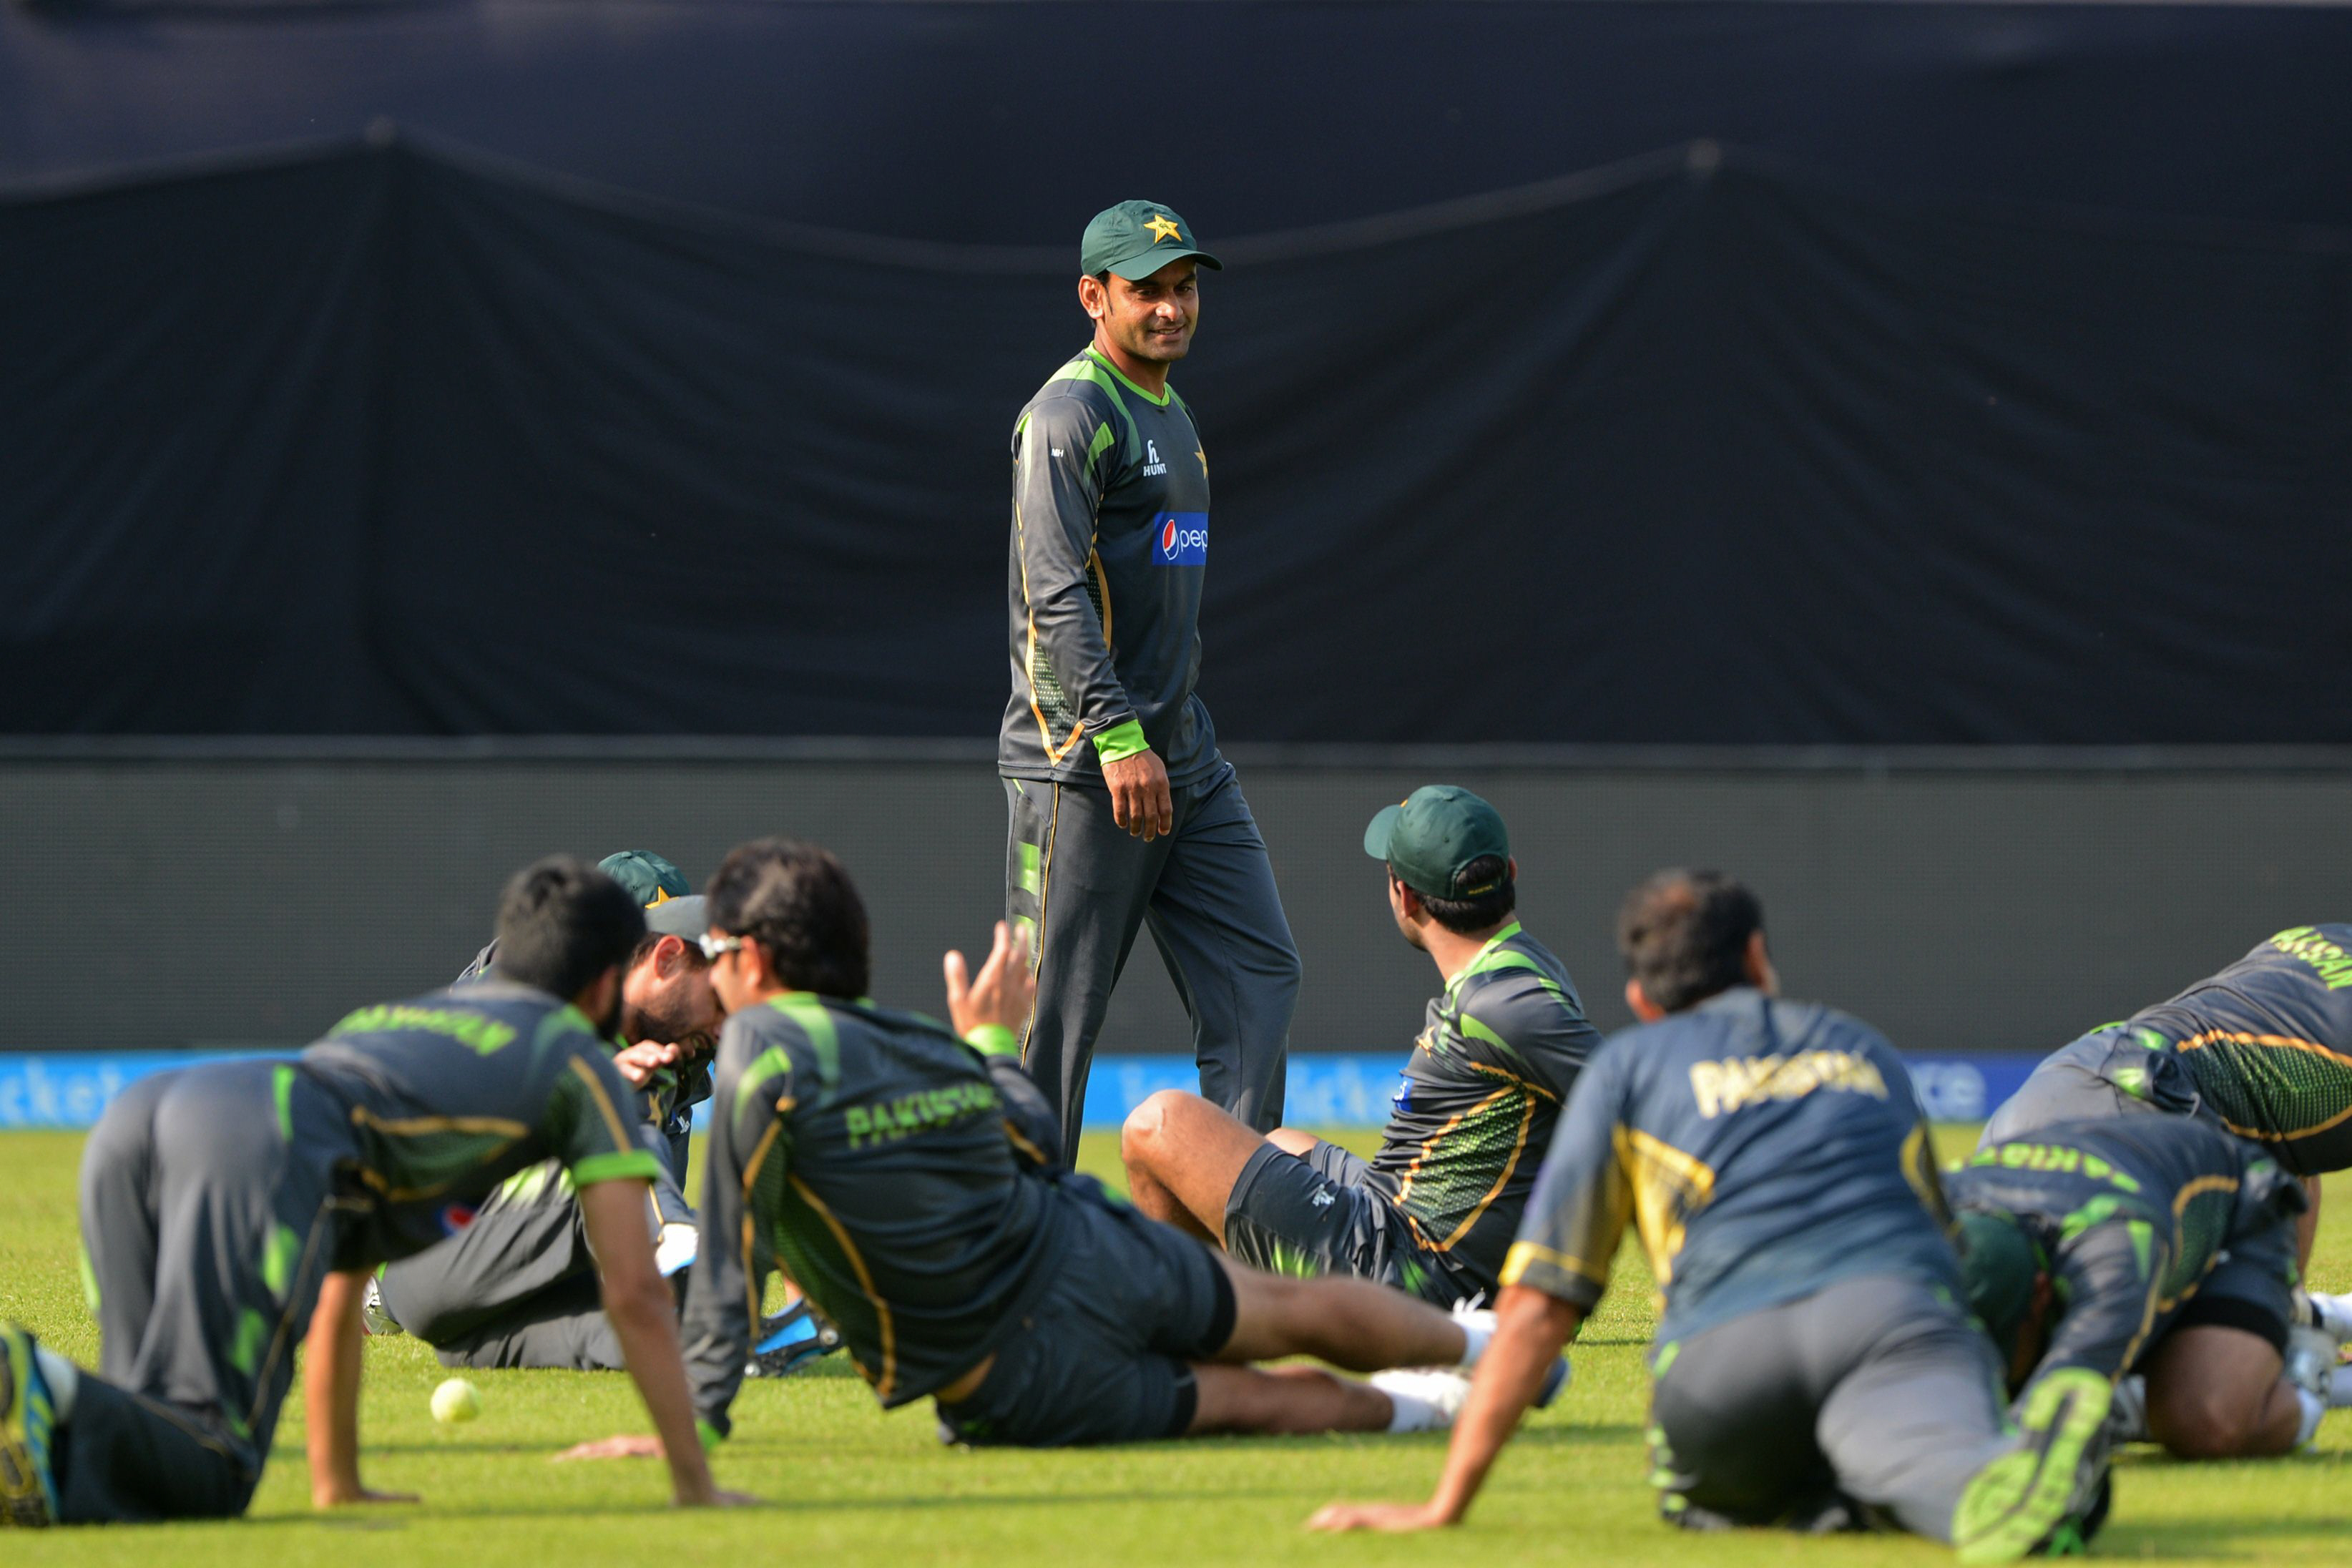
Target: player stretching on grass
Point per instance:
(1813, 1369)
(911, 1184)
(2263, 1050)
(1123, 812)
(1434, 1212)
(2154, 1243)
(267, 1191)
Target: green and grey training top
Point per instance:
(896, 1176)
(447, 1095)
(1482, 1092)
(1110, 543)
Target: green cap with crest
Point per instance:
(1136, 239)
(1433, 839)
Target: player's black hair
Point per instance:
(563, 923)
(1684, 935)
(1483, 912)
(652, 939)
(796, 901)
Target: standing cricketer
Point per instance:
(1123, 812)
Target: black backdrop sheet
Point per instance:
(395, 439)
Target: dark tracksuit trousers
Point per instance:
(1082, 886)
(208, 1223)
(517, 1287)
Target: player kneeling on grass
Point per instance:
(1435, 1211)
(1814, 1369)
(911, 1182)
(2154, 1245)
(266, 1192)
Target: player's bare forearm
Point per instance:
(1530, 1329)
(330, 1396)
(638, 1304)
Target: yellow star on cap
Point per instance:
(1161, 228)
(661, 897)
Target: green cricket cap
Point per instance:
(1430, 840)
(649, 879)
(1136, 239)
(1998, 1263)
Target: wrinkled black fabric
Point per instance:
(393, 440)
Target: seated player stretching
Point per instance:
(909, 1183)
(1435, 1211)
(261, 1194)
(2153, 1244)
(1813, 1369)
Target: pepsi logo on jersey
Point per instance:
(1181, 539)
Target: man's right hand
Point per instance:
(1140, 801)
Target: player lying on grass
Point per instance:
(1813, 1369)
(910, 1182)
(517, 1285)
(246, 1202)
(2152, 1245)
(1435, 1211)
(2262, 1049)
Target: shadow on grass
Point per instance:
(399, 1516)
(2210, 1536)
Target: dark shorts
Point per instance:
(1106, 1354)
(2251, 1288)
(1317, 1214)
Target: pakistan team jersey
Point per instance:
(891, 1173)
(2269, 1043)
(449, 1095)
(2131, 1213)
(1765, 1148)
(1482, 1092)
(1110, 541)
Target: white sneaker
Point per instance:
(372, 1317)
(1427, 1398)
(2310, 1359)
(2127, 1416)
(1482, 1321)
(2333, 1313)
(676, 1249)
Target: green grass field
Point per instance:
(851, 1486)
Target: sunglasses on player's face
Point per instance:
(714, 948)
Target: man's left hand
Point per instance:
(1393, 1518)
(1004, 993)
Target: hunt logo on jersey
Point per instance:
(1154, 464)
(1181, 539)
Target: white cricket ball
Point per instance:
(455, 1400)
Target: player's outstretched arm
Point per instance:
(330, 1396)
(638, 1304)
(1531, 1328)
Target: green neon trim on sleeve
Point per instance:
(1104, 437)
(637, 1162)
(281, 1088)
(711, 1435)
(993, 1040)
(1120, 742)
